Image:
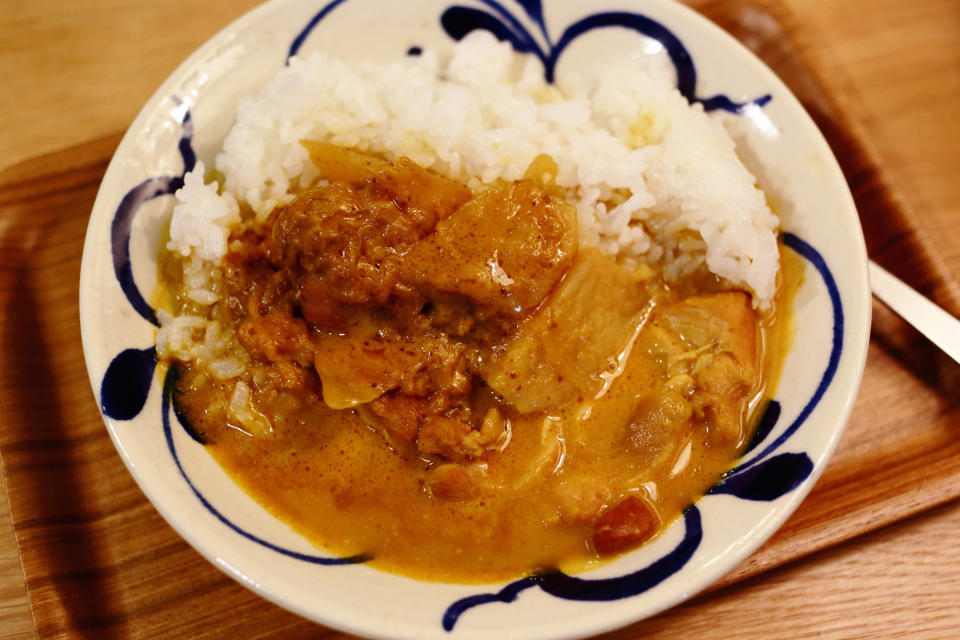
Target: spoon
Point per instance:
(941, 328)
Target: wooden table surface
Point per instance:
(79, 71)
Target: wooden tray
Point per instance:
(100, 562)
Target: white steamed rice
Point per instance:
(653, 178)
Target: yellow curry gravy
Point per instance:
(450, 385)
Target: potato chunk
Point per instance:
(355, 371)
(504, 250)
(562, 350)
(412, 185)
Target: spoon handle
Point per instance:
(941, 328)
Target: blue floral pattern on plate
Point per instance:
(765, 476)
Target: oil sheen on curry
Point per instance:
(447, 383)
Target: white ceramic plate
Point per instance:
(188, 118)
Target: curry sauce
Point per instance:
(447, 383)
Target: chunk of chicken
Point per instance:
(456, 482)
(444, 437)
(580, 498)
(718, 350)
(655, 427)
(398, 414)
(344, 243)
(282, 341)
(350, 238)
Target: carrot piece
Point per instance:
(623, 527)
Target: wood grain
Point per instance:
(16, 619)
(99, 561)
(83, 69)
(900, 582)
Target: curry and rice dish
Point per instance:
(463, 379)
